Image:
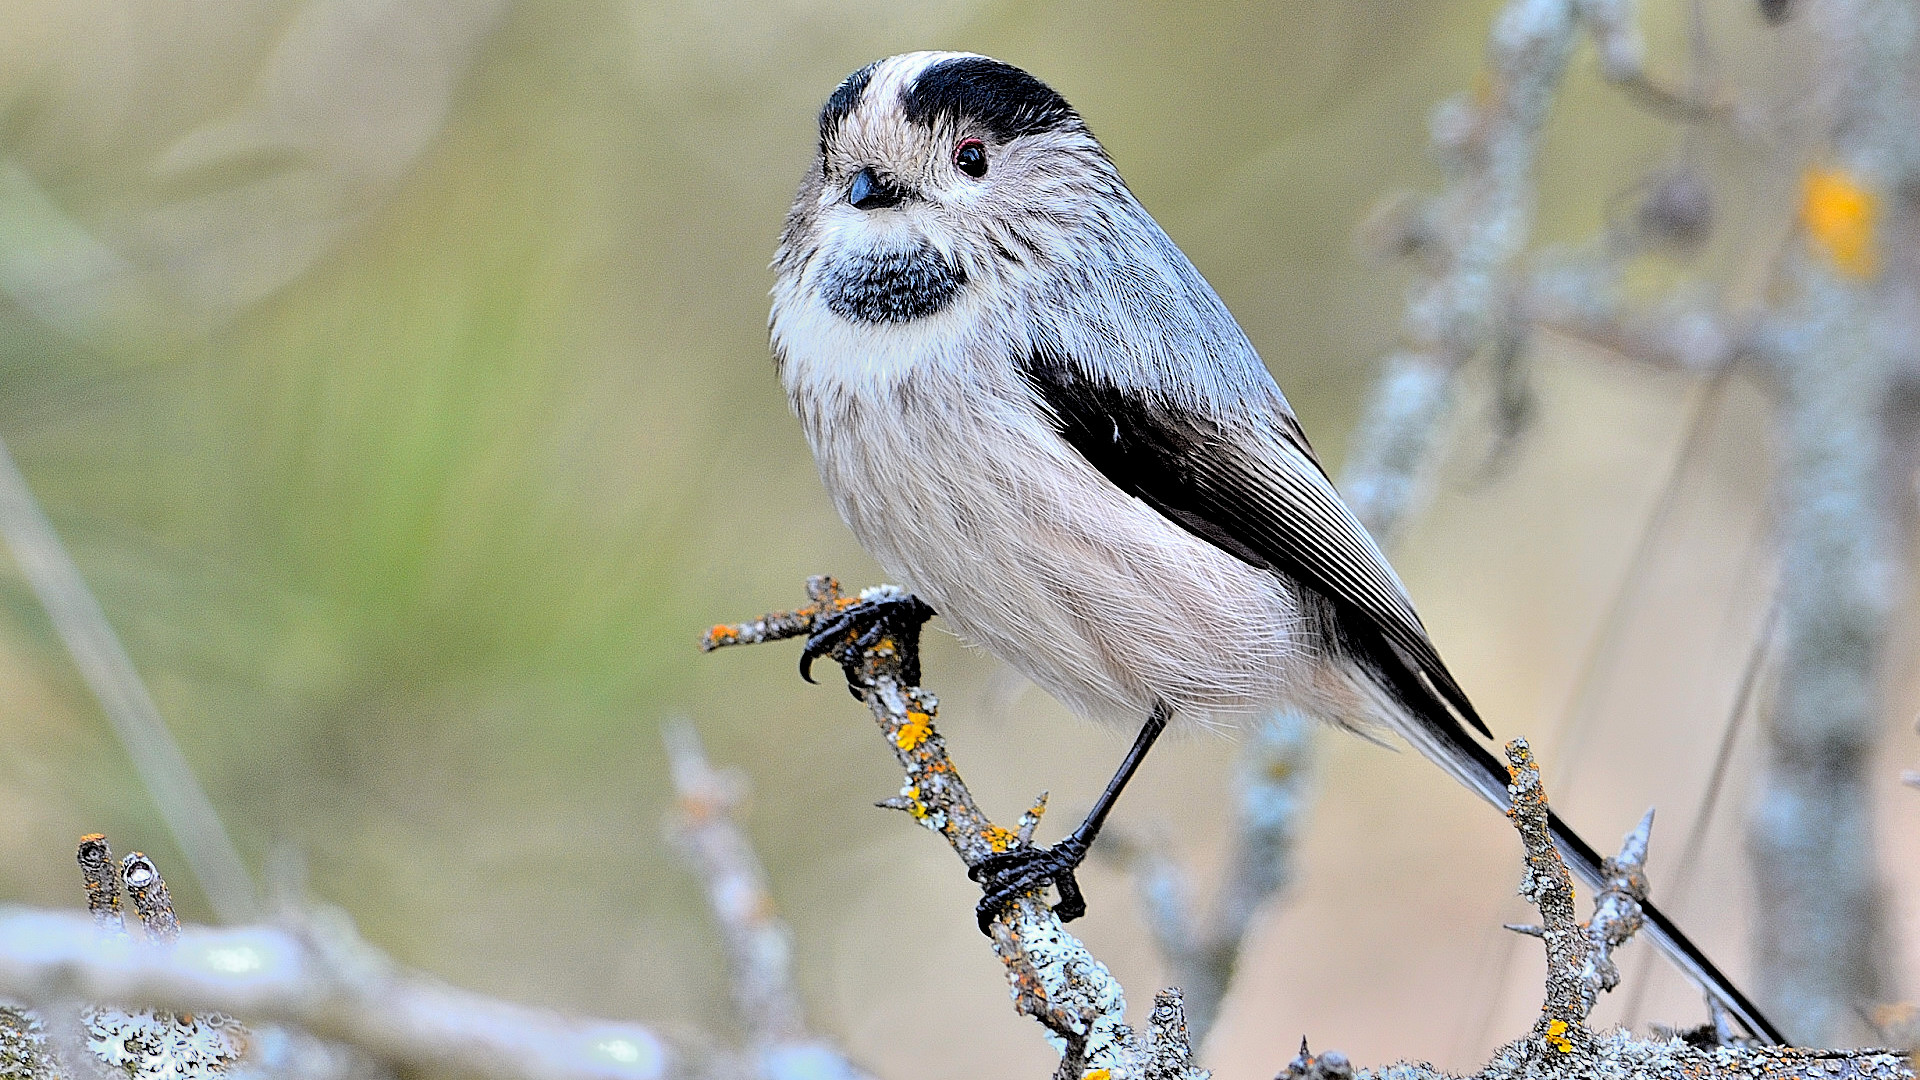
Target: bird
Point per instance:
(1031, 409)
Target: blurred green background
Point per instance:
(396, 371)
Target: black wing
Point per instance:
(1261, 497)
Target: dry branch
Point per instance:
(758, 945)
(1052, 976)
(315, 973)
(1845, 331)
(1578, 966)
(312, 972)
(1472, 238)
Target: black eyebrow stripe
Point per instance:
(842, 102)
(1001, 98)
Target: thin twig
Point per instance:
(151, 900)
(100, 876)
(758, 944)
(1548, 887)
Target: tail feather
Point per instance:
(1448, 745)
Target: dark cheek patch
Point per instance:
(891, 286)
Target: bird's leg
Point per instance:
(847, 633)
(1007, 875)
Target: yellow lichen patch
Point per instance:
(1097, 1074)
(722, 635)
(1839, 214)
(911, 734)
(918, 809)
(1000, 839)
(1557, 1037)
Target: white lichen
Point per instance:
(151, 1045)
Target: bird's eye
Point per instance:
(970, 157)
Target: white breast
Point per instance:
(950, 475)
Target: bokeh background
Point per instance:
(396, 371)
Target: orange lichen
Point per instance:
(698, 807)
(1000, 839)
(1839, 214)
(914, 732)
(1097, 1074)
(1557, 1036)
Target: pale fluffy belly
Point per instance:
(1027, 550)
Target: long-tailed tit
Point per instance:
(1030, 407)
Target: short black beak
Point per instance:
(869, 192)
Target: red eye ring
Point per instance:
(970, 157)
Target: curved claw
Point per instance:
(875, 619)
(1009, 874)
(820, 642)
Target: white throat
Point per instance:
(822, 350)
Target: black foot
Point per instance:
(847, 633)
(1008, 875)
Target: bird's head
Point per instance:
(937, 174)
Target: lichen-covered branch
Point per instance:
(316, 974)
(1846, 327)
(1050, 973)
(1578, 965)
(1616, 912)
(1835, 332)
(312, 973)
(100, 876)
(1476, 297)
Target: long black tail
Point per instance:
(1447, 743)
